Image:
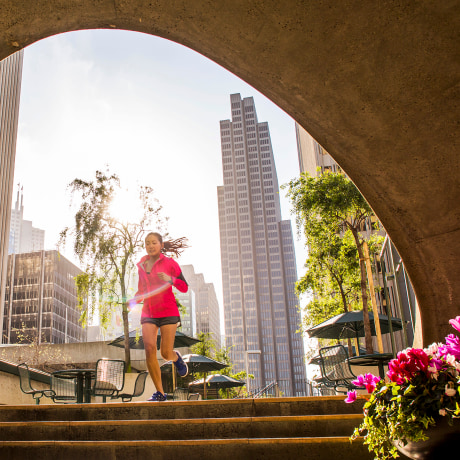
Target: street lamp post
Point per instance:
(248, 352)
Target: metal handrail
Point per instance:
(264, 391)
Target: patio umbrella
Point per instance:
(198, 363)
(351, 325)
(217, 381)
(181, 341)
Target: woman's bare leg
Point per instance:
(149, 336)
(168, 335)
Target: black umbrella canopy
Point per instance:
(136, 342)
(198, 363)
(218, 381)
(351, 325)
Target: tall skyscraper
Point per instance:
(258, 261)
(312, 155)
(10, 90)
(24, 236)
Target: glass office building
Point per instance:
(262, 319)
(41, 299)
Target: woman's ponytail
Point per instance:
(175, 247)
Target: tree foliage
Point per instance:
(107, 246)
(332, 214)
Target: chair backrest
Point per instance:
(180, 394)
(335, 365)
(194, 396)
(24, 378)
(139, 385)
(110, 377)
(64, 389)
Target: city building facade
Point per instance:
(313, 158)
(262, 320)
(41, 300)
(10, 91)
(187, 318)
(207, 313)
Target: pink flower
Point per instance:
(453, 345)
(407, 364)
(455, 323)
(432, 349)
(450, 391)
(367, 380)
(351, 397)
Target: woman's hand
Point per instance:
(165, 277)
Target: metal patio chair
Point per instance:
(336, 369)
(139, 387)
(65, 389)
(26, 386)
(180, 394)
(110, 378)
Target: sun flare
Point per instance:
(125, 207)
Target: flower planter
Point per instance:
(442, 442)
(420, 385)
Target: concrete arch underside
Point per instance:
(375, 83)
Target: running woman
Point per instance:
(157, 275)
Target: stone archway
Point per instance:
(375, 84)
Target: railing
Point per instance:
(303, 388)
(270, 390)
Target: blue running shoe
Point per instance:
(182, 367)
(157, 397)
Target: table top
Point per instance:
(72, 373)
(374, 358)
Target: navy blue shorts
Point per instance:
(162, 321)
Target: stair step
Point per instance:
(317, 428)
(183, 409)
(223, 449)
(253, 427)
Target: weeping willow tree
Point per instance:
(107, 246)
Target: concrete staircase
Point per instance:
(315, 428)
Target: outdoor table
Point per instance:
(375, 359)
(83, 377)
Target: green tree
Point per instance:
(107, 247)
(206, 346)
(332, 273)
(331, 200)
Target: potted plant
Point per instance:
(421, 391)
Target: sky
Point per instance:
(149, 109)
